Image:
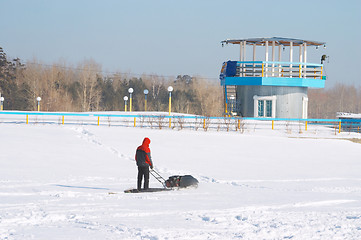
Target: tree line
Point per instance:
(86, 88)
(325, 103)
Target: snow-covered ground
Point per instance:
(55, 182)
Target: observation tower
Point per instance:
(270, 88)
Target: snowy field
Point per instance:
(55, 182)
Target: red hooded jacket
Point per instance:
(142, 156)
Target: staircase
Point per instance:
(231, 90)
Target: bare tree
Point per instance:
(210, 97)
(325, 103)
(88, 93)
(33, 77)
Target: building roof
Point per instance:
(277, 40)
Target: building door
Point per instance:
(304, 107)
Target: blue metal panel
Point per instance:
(293, 82)
(314, 83)
(231, 68)
(274, 81)
(242, 81)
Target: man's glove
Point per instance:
(151, 167)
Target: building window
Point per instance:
(265, 106)
(268, 108)
(260, 108)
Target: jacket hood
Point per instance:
(146, 142)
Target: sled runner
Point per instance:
(134, 190)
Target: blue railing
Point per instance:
(272, 69)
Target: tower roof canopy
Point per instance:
(278, 41)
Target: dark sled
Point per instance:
(175, 181)
(181, 181)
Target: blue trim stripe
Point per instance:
(179, 116)
(273, 81)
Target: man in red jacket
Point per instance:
(144, 161)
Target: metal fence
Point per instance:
(179, 121)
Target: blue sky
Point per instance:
(169, 37)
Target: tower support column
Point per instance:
(291, 57)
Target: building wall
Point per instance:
(289, 100)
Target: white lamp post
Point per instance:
(125, 101)
(2, 103)
(130, 90)
(145, 97)
(170, 89)
(38, 99)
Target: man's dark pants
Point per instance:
(143, 171)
